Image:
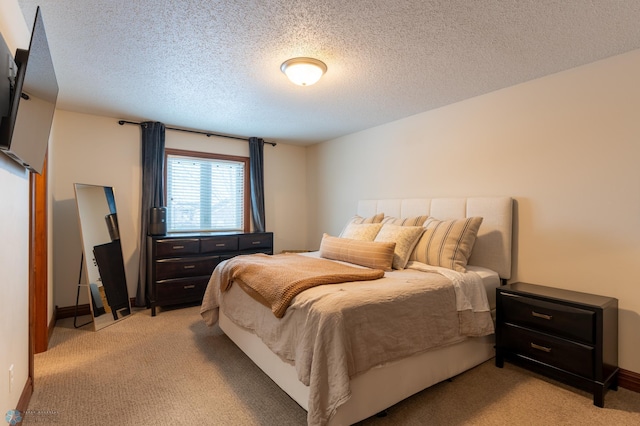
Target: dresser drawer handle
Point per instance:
(189, 266)
(187, 287)
(220, 245)
(178, 247)
(543, 316)
(541, 348)
(255, 242)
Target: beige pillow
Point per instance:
(407, 221)
(364, 253)
(447, 243)
(360, 220)
(361, 231)
(405, 238)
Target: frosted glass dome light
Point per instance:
(303, 71)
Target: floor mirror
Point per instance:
(102, 266)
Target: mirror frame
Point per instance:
(103, 270)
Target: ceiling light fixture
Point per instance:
(303, 71)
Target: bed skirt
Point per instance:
(380, 387)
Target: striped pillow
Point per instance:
(361, 231)
(447, 243)
(377, 218)
(407, 221)
(405, 238)
(365, 253)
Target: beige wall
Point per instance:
(97, 150)
(14, 250)
(566, 147)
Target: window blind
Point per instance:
(204, 194)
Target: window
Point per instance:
(206, 192)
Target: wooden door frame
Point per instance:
(39, 259)
(38, 277)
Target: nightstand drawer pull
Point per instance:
(178, 247)
(189, 266)
(541, 348)
(187, 287)
(220, 244)
(255, 242)
(543, 316)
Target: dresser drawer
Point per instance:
(217, 244)
(254, 241)
(177, 247)
(560, 320)
(560, 353)
(185, 267)
(181, 290)
(179, 265)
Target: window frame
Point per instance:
(209, 155)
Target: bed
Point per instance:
(364, 382)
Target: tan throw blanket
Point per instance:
(279, 278)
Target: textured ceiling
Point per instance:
(215, 65)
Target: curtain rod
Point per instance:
(207, 134)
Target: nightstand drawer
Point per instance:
(255, 241)
(185, 267)
(560, 320)
(573, 357)
(209, 245)
(182, 289)
(177, 247)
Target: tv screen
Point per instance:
(24, 132)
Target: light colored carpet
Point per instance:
(173, 370)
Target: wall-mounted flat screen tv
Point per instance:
(33, 91)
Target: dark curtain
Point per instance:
(256, 166)
(152, 195)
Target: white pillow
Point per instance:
(405, 237)
(361, 231)
(359, 219)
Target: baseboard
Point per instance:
(629, 380)
(70, 311)
(25, 397)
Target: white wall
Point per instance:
(14, 280)
(566, 147)
(97, 150)
(14, 250)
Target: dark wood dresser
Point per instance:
(568, 336)
(179, 266)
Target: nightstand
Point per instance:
(568, 336)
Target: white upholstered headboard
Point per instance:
(493, 245)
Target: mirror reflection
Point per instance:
(103, 267)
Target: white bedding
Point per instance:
(313, 335)
(490, 281)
